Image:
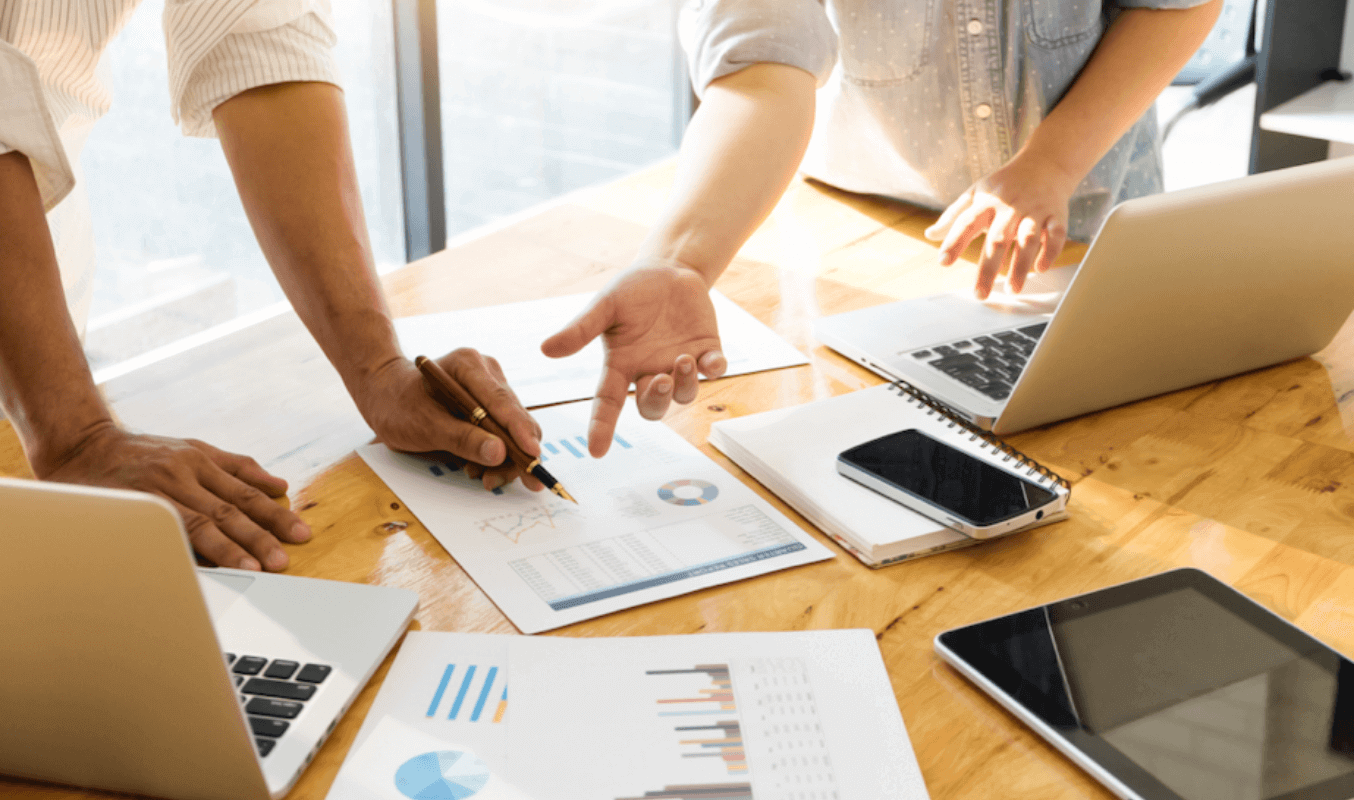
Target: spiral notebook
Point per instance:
(793, 452)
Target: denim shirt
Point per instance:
(918, 99)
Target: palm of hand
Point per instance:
(655, 319)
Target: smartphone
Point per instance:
(950, 486)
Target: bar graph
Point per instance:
(721, 739)
(576, 447)
(469, 699)
(758, 718)
(702, 791)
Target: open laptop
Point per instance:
(123, 667)
(1176, 290)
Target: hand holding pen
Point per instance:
(399, 405)
(464, 405)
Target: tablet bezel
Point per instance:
(1116, 771)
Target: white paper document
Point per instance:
(438, 729)
(655, 518)
(777, 716)
(513, 334)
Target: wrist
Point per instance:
(706, 273)
(1056, 165)
(49, 451)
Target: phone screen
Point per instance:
(967, 487)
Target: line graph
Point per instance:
(512, 526)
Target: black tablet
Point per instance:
(1173, 687)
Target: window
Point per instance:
(175, 252)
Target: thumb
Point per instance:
(573, 337)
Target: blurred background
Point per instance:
(463, 112)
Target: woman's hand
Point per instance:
(1022, 209)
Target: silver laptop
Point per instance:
(123, 667)
(1176, 290)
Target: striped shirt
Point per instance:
(51, 94)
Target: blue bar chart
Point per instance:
(467, 697)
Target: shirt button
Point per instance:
(975, 26)
(983, 111)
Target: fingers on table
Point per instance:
(244, 468)
(233, 523)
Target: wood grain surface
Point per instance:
(1251, 478)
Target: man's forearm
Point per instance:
(45, 383)
(740, 152)
(1137, 58)
(288, 147)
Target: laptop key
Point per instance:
(268, 707)
(962, 344)
(230, 659)
(265, 746)
(1034, 331)
(314, 673)
(922, 354)
(264, 726)
(282, 689)
(239, 679)
(249, 665)
(281, 669)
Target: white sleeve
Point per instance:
(721, 37)
(26, 126)
(230, 46)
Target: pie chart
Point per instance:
(441, 775)
(688, 492)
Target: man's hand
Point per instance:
(226, 500)
(1022, 208)
(658, 328)
(400, 408)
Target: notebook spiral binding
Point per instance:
(1007, 452)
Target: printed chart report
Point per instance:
(438, 729)
(655, 518)
(785, 716)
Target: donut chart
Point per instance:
(688, 492)
(441, 775)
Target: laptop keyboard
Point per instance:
(989, 364)
(273, 692)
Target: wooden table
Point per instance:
(1251, 479)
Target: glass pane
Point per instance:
(175, 251)
(540, 97)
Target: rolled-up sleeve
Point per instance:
(721, 37)
(26, 126)
(214, 55)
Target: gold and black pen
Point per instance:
(460, 402)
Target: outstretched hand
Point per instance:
(1022, 208)
(658, 330)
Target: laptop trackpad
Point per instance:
(222, 591)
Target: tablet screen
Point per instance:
(1181, 688)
